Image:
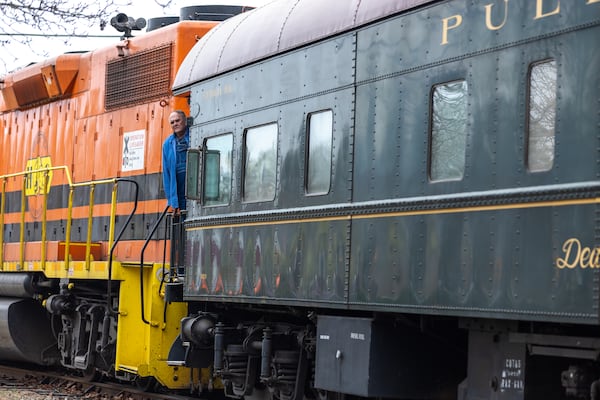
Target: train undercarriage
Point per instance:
(87, 332)
(74, 328)
(287, 356)
(292, 353)
(91, 327)
(350, 356)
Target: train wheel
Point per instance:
(260, 394)
(266, 394)
(91, 375)
(146, 383)
(326, 395)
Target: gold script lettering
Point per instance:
(592, 1)
(576, 255)
(488, 16)
(567, 247)
(539, 9)
(446, 26)
(585, 257)
(595, 257)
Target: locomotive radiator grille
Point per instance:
(138, 78)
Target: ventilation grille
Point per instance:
(138, 78)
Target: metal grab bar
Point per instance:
(109, 309)
(177, 243)
(156, 224)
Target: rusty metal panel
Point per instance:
(51, 81)
(9, 98)
(30, 90)
(138, 78)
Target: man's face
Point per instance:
(178, 123)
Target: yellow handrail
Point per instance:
(88, 239)
(22, 229)
(69, 221)
(44, 220)
(2, 224)
(45, 172)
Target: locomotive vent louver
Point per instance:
(138, 78)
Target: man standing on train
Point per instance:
(174, 152)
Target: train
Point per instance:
(385, 199)
(82, 257)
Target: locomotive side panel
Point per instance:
(483, 267)
(464, 250)
(470, 214)
(95, 125)
(576, 96)
(105, 123)
(275, 256)
(495, 259)
(303, 83)
(285, 264)
(494, 65)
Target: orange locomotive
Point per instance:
(82, 203)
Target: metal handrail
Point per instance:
(147, 241)
(109, 308)
(45, 172)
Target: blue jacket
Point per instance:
(169, 160)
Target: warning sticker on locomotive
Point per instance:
(34, 182)
(134, 146)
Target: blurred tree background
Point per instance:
(24, 22)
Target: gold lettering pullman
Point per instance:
(496, 18)
(488, 17)
(450, 23)
(576, 255)
(539, 9)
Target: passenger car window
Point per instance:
(192, 184)
(542, 116)
(217, 169)
(448, 136)
(260, 163)
(319, 142)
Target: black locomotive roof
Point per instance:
(276, 27)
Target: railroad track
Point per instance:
(31, 383)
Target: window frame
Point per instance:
(244, 159)
(430, 157)
(307, 148)
(192, 152)
(528, 153)
(206, 152)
